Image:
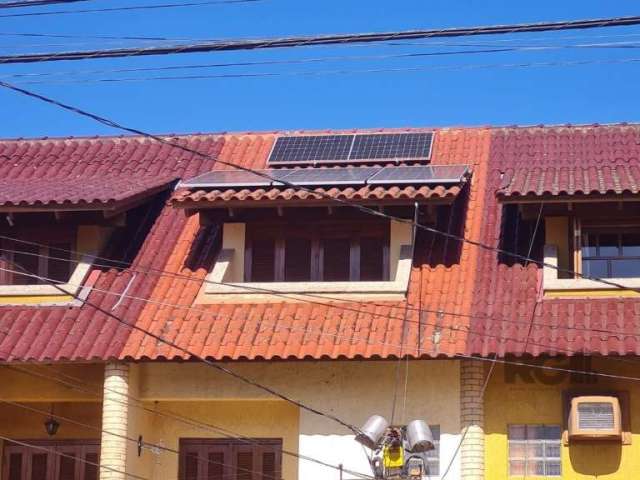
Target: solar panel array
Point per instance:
(374, 147)
(342, 176)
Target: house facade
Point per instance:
(237, 305)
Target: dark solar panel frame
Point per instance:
(420, 174)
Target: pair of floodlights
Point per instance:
(417, 434)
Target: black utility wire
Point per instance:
(124, 9)
(336, 39)
(37, 3)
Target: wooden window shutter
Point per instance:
(190, 466)
(39, 466)
(372, 259)
(91, 471)
(15, 466)
(216, 466)
(269, 466)
(244, 465)
(336, 253)
(67, 469)
(297, 260)
(262, 260)
(59, 268)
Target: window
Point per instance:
(25, 463)
(534, 450)
(229, 459)
(311, 253)
(50, 261)
(612, 252)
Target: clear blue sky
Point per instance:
(597, 93)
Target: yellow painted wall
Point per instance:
(538, 400)
(254, 419)
(557, 233)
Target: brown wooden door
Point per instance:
(230, 459)
(51, 460)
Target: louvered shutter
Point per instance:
(216, 466)
(67, 465)
(297, 260)
(39, 466)
(336, 254)
(244, 464)
(91, 471)
(59, 268)
(262, 260)
(372, 259)
(269, 466)
(16, 461)
(190, 466)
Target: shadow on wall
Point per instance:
(594, 459)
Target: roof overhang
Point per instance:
(110, 195)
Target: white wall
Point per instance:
(352, 391)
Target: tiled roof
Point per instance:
(319, 329)
(504, 296)
(79, 333)
(261, 195)
(572, 180)
(99, 191)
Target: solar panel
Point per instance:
(392, 146)
(234, 178)
(311, 148)
(332, 176)
(423, 174)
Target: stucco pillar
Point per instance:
(113, 450)
(472, 420)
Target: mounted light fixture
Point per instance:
(51, 425)
(372, 431)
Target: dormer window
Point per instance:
(329, 252)
(51, 258)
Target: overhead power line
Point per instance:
(325, 59)
(123, 9)
(336, 39)
(37, 3)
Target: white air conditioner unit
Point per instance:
(595, 418)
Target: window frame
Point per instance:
(527, 442)
(316, 234)
(231, 447)
(617, 230)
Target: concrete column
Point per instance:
(113, 450)
(472, 379)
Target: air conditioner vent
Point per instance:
(595, 416)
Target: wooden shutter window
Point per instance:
(39, 466)
(15, 466)
(372, 257)
(91, 471)
(297, 260)
(269, 466)
(336, 255)
(60, 267)
(216, 466)
(262, 260)
(67, 467)
(244, 466)
(191, 466)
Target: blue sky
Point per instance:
(435, 94)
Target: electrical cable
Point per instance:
(336, 58)
(123, 9)
(75, 383)
(36, 3)
(141, 443)
(335, 39)
(72, 457)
